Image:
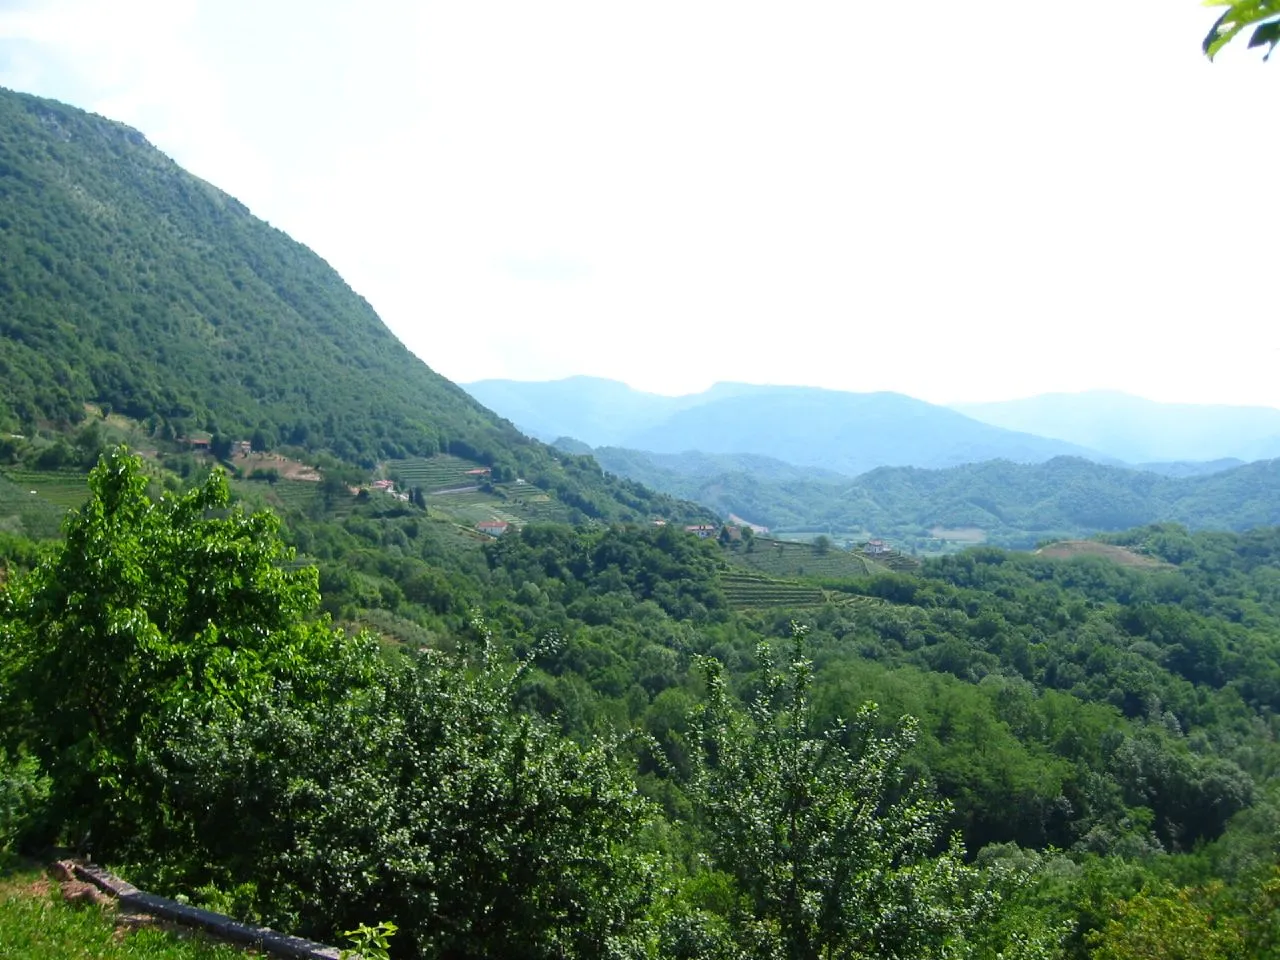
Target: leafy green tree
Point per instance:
(1262, 15)
(833, 847)
(1176, 926)
(166, 668)
(418, 795)
(148, 608)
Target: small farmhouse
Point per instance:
(703, 531)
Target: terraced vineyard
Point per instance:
(296, 494)
(62, 488)
(440, 472)
(291, 496)
(756, 590)
(31, 516)
(533, 504)
(785, 558)
(898, 562)
(473, 506)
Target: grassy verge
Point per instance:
(37, 924)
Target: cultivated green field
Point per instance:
(752, 590)
(756, 590)
(440, 472)
(34, 515)
(898, 562)
(532, 504)
(62, 488)
(785, 558)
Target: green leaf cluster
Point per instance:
(1262, 15)
(833, 848)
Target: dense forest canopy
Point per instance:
(1098, 738)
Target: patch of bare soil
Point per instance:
(288, 469)
(74, 891)
(27, 889)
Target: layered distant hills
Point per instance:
(994, 501)
(855, 432)
(829, 429)
(882, 464)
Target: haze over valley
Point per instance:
(807, 461)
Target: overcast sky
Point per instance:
(986, 200)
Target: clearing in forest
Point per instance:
(1066, 549)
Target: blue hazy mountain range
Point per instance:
(1137, 430)
(849, 433)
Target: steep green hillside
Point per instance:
(128, 283)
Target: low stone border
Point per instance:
(263, 938)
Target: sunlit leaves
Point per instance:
(834, 848)
(177, 607)
(1262, 15)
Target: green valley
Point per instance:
(996, 501)
(292, 628)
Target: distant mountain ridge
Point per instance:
(1009, 503)
(845, 432)
(1137, 430)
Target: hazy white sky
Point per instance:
(983, 200)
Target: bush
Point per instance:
(23, 795)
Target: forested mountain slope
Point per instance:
(128, 283)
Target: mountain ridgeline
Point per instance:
(997, 501)
(132, 285)
(800, 459)
(855, 432)
(830, 429)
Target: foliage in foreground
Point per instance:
(1262, 15)
(835, 853)
(164, 669)
(167, 672)
(238, 748)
